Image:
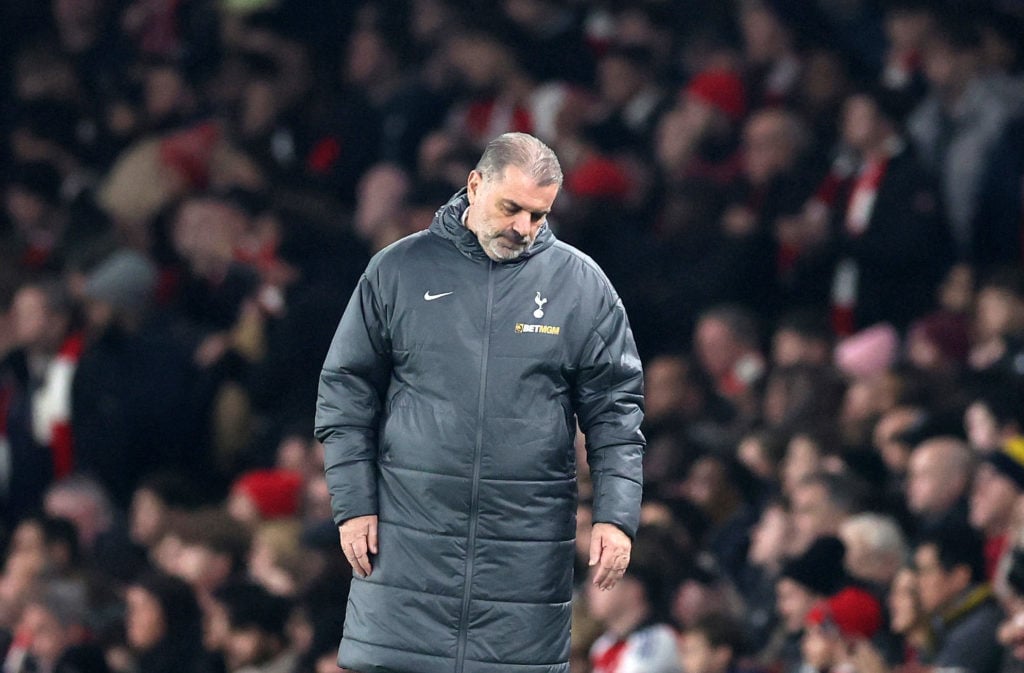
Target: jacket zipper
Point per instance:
(474, 503)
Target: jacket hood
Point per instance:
(447, 224)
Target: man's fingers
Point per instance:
(359, 549)
(612, 568)
(595, 549)
(372, 536)
(357, 542)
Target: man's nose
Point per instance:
(522, 224)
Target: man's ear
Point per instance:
(473, 184)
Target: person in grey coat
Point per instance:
(448, 406)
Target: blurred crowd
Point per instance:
(812, 210)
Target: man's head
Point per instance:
(82, 501)
(869, 119)
(256, 621)
(672, 389)
(995, 414)
(510, 193)
(938, 475)
(952, 55)
(772, 141)
(723, 336)
(41, 314)
(998, 485)
(54, 619)
(820, 504)
(875, 547)
(948, 562)
(711, 644)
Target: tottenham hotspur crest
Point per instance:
(539, 313)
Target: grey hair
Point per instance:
(526, 153)
(881, 534)
(89, 488)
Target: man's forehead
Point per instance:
(517, 186)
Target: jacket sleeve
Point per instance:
(608, 399)
(353, 383)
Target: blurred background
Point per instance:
(812, 210)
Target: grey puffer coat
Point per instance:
(447, 407)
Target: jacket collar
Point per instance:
(448, 225)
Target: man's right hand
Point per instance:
(359, 540)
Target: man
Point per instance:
(938, 476)
(964, 615)
(53, 633)
(713, 645)
(875, 549)
(995, 496)
(890, 243)
(728, 349)
(255, 638)
(446, 410)
(35, 386)
(819, 505)
(961, 134)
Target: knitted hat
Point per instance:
(722, 90)
(275, 492)
(820, 568)
(868, 352)
(853, 611)
(125, 280)
(1009, 460)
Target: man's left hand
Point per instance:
(609, 552)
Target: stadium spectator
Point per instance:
(938, 478)
(162, 624)
(714, 644)
(957, 131)
(36, 377)
(876, 550)
(907, 619)
(251, 154)
(950, 566)
(819, 506)
(995, 499)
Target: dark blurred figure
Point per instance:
(255, 639)
(950, 567)
(960, 133)
(54, 635)
(35, 394)
(162, 625)
(130, 411)
(890, 243)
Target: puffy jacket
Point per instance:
(447, 407)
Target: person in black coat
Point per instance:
(163, 624)
(130, 409)
(891, 245)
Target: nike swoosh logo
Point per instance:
(431, 297)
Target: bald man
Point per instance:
(938, 475)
